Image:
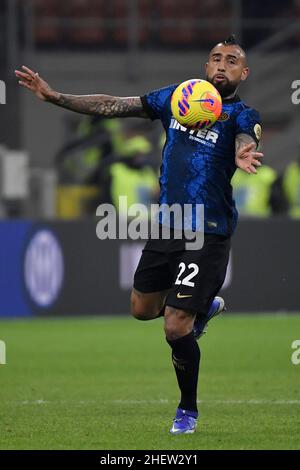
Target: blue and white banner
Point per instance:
(13, 239)
(62, 268)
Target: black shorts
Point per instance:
(193, 277)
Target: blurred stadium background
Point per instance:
(56, 167)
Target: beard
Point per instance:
(225, 88)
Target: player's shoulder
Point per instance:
(160, 96)
(247, 121)
(243, 110)
(165, 90)
(156, 103)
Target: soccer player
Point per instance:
(170, 280)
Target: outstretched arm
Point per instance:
(246, 157)
(103, 105)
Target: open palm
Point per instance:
(33, 82)
(247, 159)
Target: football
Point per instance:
(196, 104)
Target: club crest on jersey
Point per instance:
(223, 117)
(257, 131)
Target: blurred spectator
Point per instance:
(80, 159)
(278, 201)
(131, 173)
(253, 193)
(101, 165)
(79, 164)
(291, 186)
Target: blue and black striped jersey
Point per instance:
(197, 165)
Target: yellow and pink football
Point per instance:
(196, 104)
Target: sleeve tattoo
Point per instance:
(103, 105)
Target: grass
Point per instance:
(108, 383)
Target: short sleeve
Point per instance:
(155, 101)
(249, 122)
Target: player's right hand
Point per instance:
(32, 81)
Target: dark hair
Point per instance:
(230, 41)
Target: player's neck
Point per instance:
(229, 97)
(232, 98)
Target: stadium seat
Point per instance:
(189, 31)
(216, 11)
(145, 12)
(296, 14)
(82, 32)
(120, 12)
(186, 14)
(46, 29)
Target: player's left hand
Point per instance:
(247, 159)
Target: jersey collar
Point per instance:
(234, 99)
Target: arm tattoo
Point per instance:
(103, 105)
(243, 139)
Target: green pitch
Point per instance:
(109, 384)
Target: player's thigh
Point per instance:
(200, 275)
(152, 281)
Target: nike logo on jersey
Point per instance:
(180, 296)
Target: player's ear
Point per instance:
(206, 65)
(245, 73)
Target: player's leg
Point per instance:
(199, 277)
(152, 281)
(186, 361)
(216, 256)
(147, 306)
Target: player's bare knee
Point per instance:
(139, 312)
(143, 308)
(178, 323)
(136, 309)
